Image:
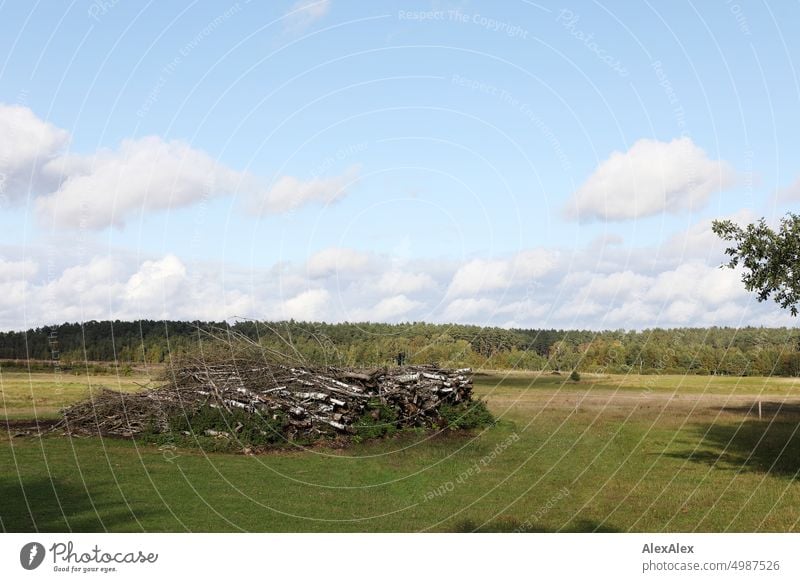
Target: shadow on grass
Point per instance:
(769, 410)
(33, 505)
(511, 525)
(755, 446)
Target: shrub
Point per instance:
(377, 421)
(575, 376)
(243, 427)
(466, 415)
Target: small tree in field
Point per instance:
(575, 376)
(770, 258)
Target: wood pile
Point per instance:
(309, 401)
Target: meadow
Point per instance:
(607, 453)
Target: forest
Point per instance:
(749, 351)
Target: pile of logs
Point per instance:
(311, 402)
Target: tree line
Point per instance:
(753, 351)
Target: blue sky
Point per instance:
(517, 163)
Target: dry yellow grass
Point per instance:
(41, 395)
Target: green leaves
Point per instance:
(770, 259)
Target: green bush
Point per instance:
(243, 427)
(466, 415)
(575, 376)
(377, 421)
(244, 430)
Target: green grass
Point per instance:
(682, 384)
(40, 395)
(604, 454)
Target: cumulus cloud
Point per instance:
(697, 282)
(143, 175)
(15, 279)
(699, 241)
(85, 282)
(387, 309)
(526, 309)
(306, 306)
(156, 282)
(17, 270)
(80, 292)
(336, 261)
(479, 275)
(469, 309)
(693, 293)
(27, 145)
(304, 13)
(112, 186)
(115, 288)
(533, 289)
(650, 178)
(690, 293)
(397, 281)
(289, 192)
(622, 283)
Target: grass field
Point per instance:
(637, 453)
(41, 395)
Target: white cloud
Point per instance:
(469, 309)
(699, 241)
(523, 310)
(631, 314)
(697, 282)
(480, 275)
(81, 292)
(682, 311)
(618, 284)
(397, 281)
(387, 309)
(156, 283)
(289, 192)
(692, 293)
(336, 261)
(143, 175)
(650, 178)
(306, 306)
(87, 281)
(590, 296)
(578, 309)
(14, 287)
(113, 186)
(304, 13)
(531, 264)
(27, 144)
(533, 289)
(17, 270)
(110, 288)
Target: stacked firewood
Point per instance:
(309, 401)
